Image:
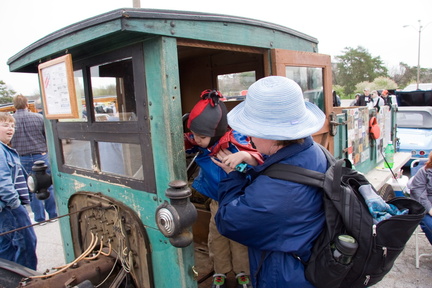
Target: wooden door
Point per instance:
(312, 71)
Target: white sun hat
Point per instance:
(275, 109)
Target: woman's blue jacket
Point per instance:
(275, 218)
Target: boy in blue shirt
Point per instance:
(209, 136)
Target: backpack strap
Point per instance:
(310, 177)
(295, 174)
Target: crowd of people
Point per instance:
(372, 99)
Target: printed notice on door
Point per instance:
(58, 89)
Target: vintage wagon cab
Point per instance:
(115, 89)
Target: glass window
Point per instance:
(234, 86)
(79, 90)
(311, 81)
(113, 91)
(107, 141)
(121, 159)
(77, 153)
(414, 119)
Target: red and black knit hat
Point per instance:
(209, 115)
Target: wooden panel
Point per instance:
(201, 227)
(282, 58)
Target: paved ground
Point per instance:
(49, 246)
(403, 275)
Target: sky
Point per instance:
(376, 25)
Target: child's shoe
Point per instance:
(243, 281)
(219, 281)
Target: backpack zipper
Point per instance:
(374, 233)
(384, 252)
(367, 280)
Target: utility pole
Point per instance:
(136, 3)
(418, 58)
(420, 28)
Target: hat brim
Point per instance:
(239, 121)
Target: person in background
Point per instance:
(336, 99)
(17, 246)
(364, 98)
(355, 101)
(278, 220)
(376, 101)
(30, 142)
(209, 135)
(385, 96)
(420, 186)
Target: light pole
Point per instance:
(136, 3)
(418, 53)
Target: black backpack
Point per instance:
(347, 213)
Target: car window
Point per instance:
(414, 119)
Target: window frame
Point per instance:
(133, 132)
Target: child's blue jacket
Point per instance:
(210, 174)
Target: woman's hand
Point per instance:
(226, 160)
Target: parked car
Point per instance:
(414, 131)
(421, 86)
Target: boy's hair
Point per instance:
(6, 117)
(20, 102)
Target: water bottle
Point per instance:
(389, 156)
(344, 248)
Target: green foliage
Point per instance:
(384, 83)
(105, 90)
(6, 100)
(355, 66)
(339, 91)
(406, 75)
(5, 92)
(379, 83)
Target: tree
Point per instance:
(405, 75)
(379, 83)
(355, 66)
(5, 93)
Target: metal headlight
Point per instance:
(167, 220)
(32, 183)
(39, 181)
(176, 218)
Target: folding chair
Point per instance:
(416, 165)
(418, 232)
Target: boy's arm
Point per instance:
(8, 195)
(242, 156)
(229, 161)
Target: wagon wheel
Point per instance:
(386, 192)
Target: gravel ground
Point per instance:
(404, 274)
